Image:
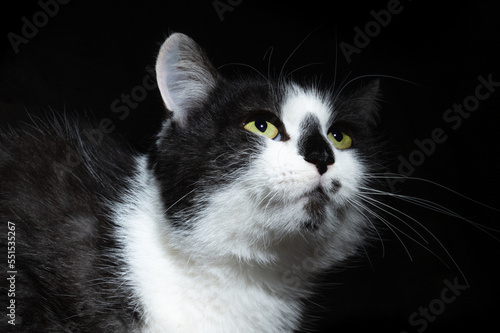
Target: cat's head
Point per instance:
(249, 166)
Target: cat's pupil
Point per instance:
(337, 135)
(261, 125)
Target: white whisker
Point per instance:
(398, 176)
(377, 202)
(437, 207)
(356, 205)
(180, 199)
(245, 65)
(280, 77)
(391, 228)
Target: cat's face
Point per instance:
(245, 164)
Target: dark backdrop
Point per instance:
(87, 55)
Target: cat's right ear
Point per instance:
(184, 74)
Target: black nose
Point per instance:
(322, 159)
(318, 151)
(314, 146)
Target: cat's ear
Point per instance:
(185, 75)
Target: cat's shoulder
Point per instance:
(62, 161)
(59, 177)
(63, 141)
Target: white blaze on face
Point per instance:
(273, 198)
(300, 104)
(282, 168)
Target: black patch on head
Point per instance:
(211, 149)
(314, 147)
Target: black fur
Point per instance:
(212, 148)
(66, 278)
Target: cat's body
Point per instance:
(63, 234)
(249, 191)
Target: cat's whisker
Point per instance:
(270, 201)
(270, 52)
(378, 204)
(435, 206)
(367, 256)
(179, 200)
(398, 176)
(442, 210)
(264, 198)
(358, 99)
(219, 156)
(343, 86)
(445, 211)
(280, 76)
(358, 205)
(301, 67)
(418, 202)
(336, 62)
(245, 65)
(391, 228)
(423, 227)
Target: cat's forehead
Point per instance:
(300, 104)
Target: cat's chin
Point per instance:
(316, 205)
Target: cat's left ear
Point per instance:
(185, 75)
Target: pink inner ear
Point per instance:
(184, 74)
(166, 72)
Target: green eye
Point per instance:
(263, 127)
(339, 139)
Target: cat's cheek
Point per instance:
(349, 172)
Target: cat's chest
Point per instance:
(198, 305)
(183, 294)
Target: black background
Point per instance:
(90, 53)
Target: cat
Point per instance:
(250, 190)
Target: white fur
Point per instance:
(183, 294)
(245, 266)
(299, 104)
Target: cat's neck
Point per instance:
(177, 289)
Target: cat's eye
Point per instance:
(339, 139)
(263, 126)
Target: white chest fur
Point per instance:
(180, 294)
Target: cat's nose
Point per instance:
(315, 147)
(322, 159)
